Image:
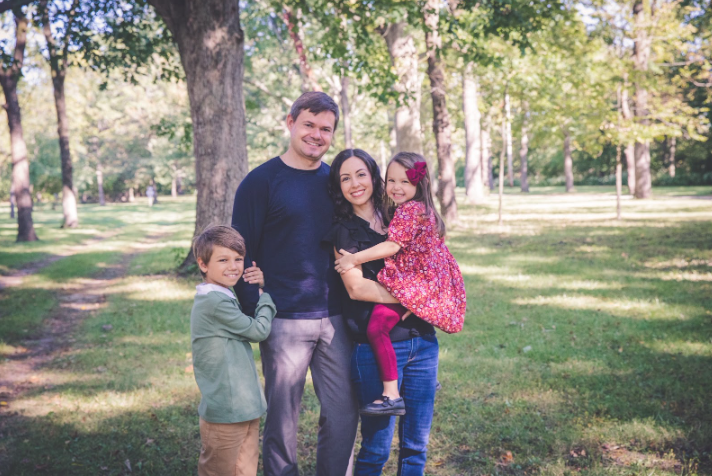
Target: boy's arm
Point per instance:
(362, 289)
(380, 251)
(238, 324)
(248, 216)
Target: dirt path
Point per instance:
(77, 301)
(15, 279)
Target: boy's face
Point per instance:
(224, 268)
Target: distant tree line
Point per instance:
(535, 92)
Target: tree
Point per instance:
(58, 56)
(404, 58)
(211, 45)
(10, 74)
(441, 116)
(474, 163)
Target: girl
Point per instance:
(419, 271)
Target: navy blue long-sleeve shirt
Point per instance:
(283, 213)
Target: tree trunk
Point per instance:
(486, 144)
(404, 58)
(384, 160)
(508, 132)
(501, 169)
(619, 181)
(641, 55)
(174, 187)
(12, 203)
(100, 184)
(441, 117)
(132, 196)
(210, 42)
(630, 148)
(9, 76)
(568, 162)
(474, 185)
(346, 112)
(444, 183)
(671, 146)
(58, 65)
(309, 82)
(524, 149)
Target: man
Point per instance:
(283, 210)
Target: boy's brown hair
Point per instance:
(217, 235)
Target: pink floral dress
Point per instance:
(423, 275)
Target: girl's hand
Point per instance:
(406, 315)
(254, 275)
(346, 262)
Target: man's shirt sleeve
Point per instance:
(248, 217)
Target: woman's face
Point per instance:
(356, 181)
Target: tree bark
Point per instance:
(100, 183)
(474, 185)
(9, 76)
(486, 144)
(441, 117)
(58, 64)
(309, 82)
(524, 149)
(670, 148)
(211, 46)
(501, 169)
(630, 148)
(346, 112)
(568, 162)
(508, 132)
(404, 58)
(641, 55)
(12, 203)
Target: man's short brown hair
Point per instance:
(315, 102)
(217, 235)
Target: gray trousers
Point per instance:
(293, 346)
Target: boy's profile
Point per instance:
(232, 400)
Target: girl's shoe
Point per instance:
(389, 406)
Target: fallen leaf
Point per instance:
(101, 369)
(107, 327)
(3, 404)
(149, 441)
(189, 369)
(128, 464)
(527, 349)
(506, 459)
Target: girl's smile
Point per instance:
(398, 187)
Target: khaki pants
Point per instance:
(229, 448)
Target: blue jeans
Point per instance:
(417, 377)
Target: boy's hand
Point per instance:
(346, 262)
(254, 275)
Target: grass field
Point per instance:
(587, 347)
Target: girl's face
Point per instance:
(398, 187)
(356, 181)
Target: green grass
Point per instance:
(581, 332)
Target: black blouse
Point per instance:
(354, 235)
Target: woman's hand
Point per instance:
(346, 262)
(254, 275)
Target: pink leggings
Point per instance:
(384, 318)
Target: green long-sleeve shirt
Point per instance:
(223, 364)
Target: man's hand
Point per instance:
(254, 275)
(346, 262)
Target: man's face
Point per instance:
(311, 134)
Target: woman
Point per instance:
(356, 187)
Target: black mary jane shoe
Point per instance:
(389, 406)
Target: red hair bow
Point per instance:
(417, 173)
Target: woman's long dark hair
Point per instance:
(343, 210)
(423, 191)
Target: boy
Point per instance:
(232, 400)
